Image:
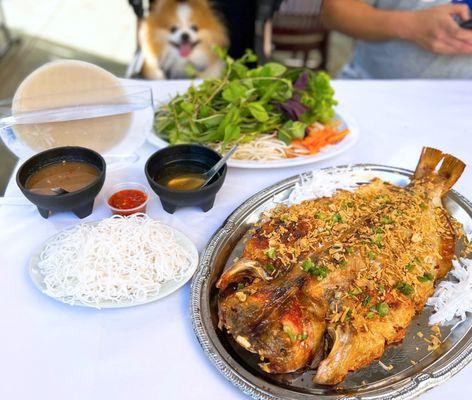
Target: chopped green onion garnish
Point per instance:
(354, 292)
(348, 315)
(381, 288)
(427, 276)
(382, 309)
(302, 337)
(271, 253)
(307, 265)
(386, 220)
(404, 288)
(312, 269)
(320, 272)
(291, 335)
(378, 241)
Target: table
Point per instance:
(53, 351)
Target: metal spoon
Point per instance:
(59, 190)
(207, 176)
(56, 190)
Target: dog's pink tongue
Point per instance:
(185, 49)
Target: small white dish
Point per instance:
(127, 186)
(166, 288)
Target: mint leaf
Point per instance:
(258, 111)
(273, 69)
(211, 121)
(292, 130)
(232, 132)
(234, 92)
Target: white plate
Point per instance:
(135, 107)
(347, 121)
(166, 288)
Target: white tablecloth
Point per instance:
(52, 351)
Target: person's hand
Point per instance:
(435, 29)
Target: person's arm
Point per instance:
(433, 29)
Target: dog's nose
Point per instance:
(185, 37)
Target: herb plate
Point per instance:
(346, 121)
(414, 369)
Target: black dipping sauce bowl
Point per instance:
(177, 156)
(80, 202)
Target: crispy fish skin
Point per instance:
(329, 283)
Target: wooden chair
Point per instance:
(296, 28)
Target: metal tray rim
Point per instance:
(421, 382)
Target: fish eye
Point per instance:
(173, 29)
(194, 28)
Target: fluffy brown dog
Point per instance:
(179, 35)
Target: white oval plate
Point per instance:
(166, 289)
(347, 121)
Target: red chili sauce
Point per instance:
(127, 202)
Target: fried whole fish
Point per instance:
(329, 283)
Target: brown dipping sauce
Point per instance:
(69, 175)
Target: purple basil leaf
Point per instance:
(292, 108)
(302, 81)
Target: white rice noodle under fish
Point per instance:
(325, 183)
(452, 300)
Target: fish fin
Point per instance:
(429, 160)
(352, 350)
(243, 268)
(451, 169)
(333, 368)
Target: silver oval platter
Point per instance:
(412, 370)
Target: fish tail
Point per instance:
(450, 170)
(429, 160)
(440, 168)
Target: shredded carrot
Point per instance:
(318, 136)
